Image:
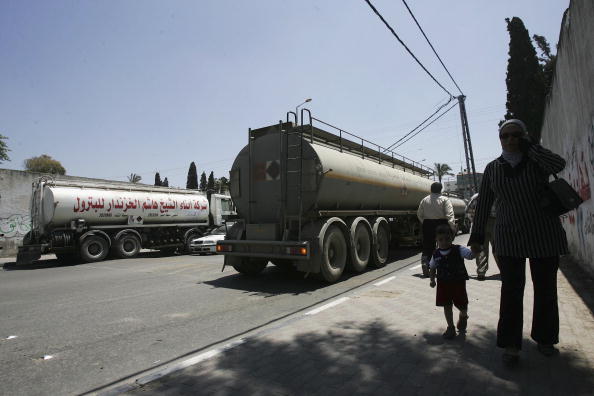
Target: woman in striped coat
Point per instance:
(515, 182)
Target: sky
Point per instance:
(111, 88)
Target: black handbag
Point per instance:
(559, 197)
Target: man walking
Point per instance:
(434, 209)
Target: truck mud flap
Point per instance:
(28, 254)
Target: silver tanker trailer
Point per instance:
(321, 202)
(86, 221)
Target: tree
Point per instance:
(547, 60)
(3, 149)
(165, 183)
(134, 178)
(224, 184)
(158, 181)
(192, 182)
(526, 89)
(203, 181)
(441, 170)
(44, 164)
(210, 185)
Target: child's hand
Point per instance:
(432, 283)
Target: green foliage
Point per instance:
(44, 164)
(547, 60)
(526, 90)
(3, 149)
(210, 185)
(192, 181)
(223, 184)
(134, 178)
(158, 181)
(203, 181)
(441, 170)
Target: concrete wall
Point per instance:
(15, 196)
(568, 127)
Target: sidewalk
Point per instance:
(386, 339)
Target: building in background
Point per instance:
(465, 183)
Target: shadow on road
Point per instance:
(373, 359)
(275, 281)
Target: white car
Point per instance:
(208, 243)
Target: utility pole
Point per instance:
(467, 144)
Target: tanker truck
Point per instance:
(87, 221)
(321, 202)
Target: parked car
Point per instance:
(208, 243)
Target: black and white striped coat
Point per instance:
(522, 228)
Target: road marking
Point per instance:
(384, 281)
(188, 362)
(326, 306)
(415, 267)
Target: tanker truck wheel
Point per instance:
(361, 249)
(382, 247)
(334, 254)
(250, 266)
(127, 246)
(94, 248)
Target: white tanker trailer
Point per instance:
(320, 203)
(87, 221)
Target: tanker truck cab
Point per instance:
(221, 208)
(319, 202)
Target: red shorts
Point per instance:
(452, 292)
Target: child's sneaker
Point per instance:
(462, 323)
(449, 333)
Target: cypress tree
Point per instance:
(165, 183)
(192, 182)
(525, 83)
(158, 181)
(210, 186)
(203, 181)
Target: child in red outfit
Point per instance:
(447, 263)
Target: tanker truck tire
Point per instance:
(361, 253)
(127, 246)
(334, 255)
(250, 267)
(93, 248)
(382, 247)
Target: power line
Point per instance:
(406, 48)
(425, 127)
(431, 45)
(421, 124)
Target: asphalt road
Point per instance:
(73, 329)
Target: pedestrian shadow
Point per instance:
(373, 358)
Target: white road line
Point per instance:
(384, 281)
(326, 306)
(415, 267)
(188, 362)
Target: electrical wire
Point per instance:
(431, 45)
(426, 126)
(421, 124)
(406, 48)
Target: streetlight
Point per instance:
(297, 108)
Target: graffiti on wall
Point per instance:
(16, 225)
(579, 171)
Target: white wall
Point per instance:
(568, 127)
